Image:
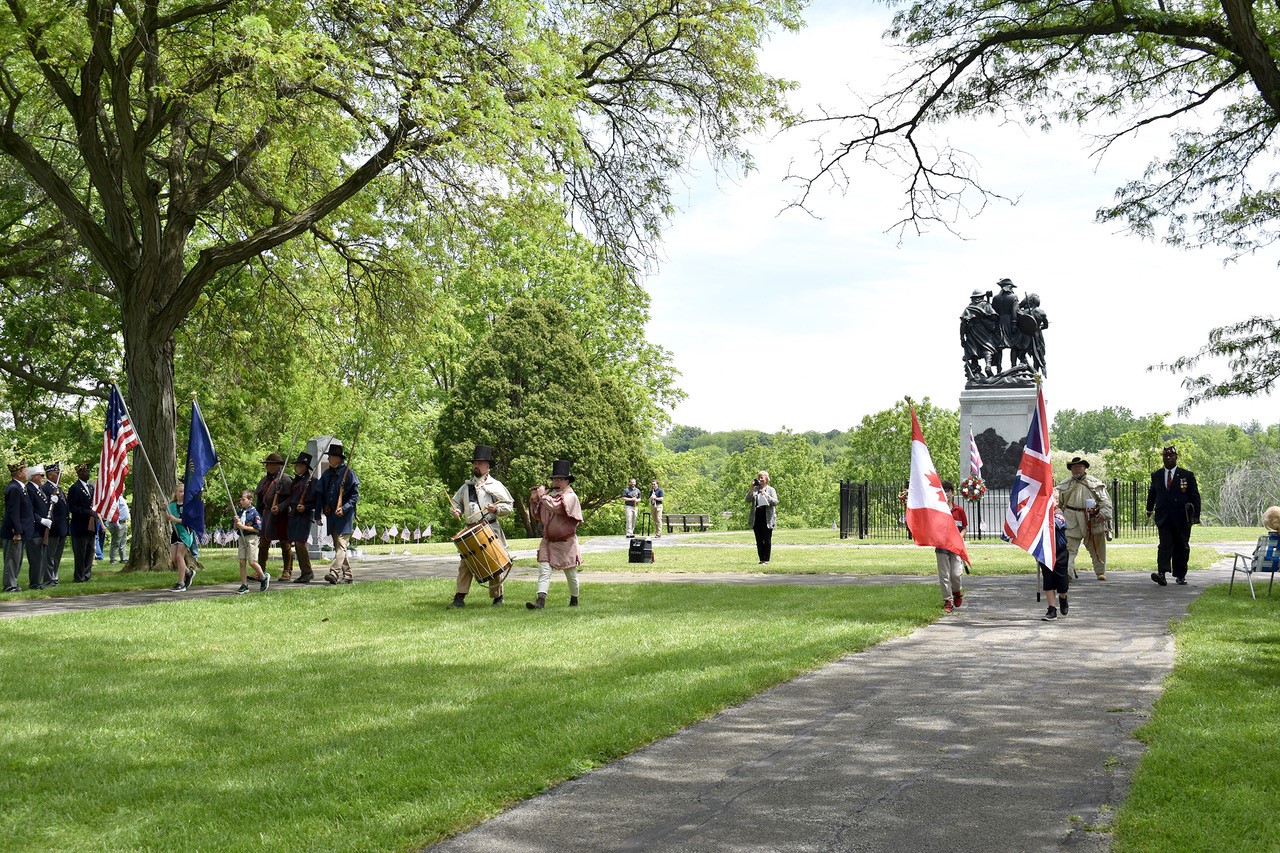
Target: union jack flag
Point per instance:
(117, 440)
(975, 458)
(1029, 520)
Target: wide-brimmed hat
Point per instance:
(483, 453)
(273, 458)
(1078, 460)
(336, 449)
(561, 468)
(304, 458)
(1005, 282)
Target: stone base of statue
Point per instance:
(999, 418)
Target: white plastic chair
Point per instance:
(1265, 558)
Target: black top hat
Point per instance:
(336, 449)
(561, 468)
(303, 459)
(484, 453)
(1078, 460)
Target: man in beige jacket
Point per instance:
(1084, 501)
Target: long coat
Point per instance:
(334, 481)
(80, 502)
(304, 491)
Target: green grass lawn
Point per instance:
(371, 717)
(1210, 778)
(1000, 559)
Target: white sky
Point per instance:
(779, 319)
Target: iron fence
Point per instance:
(874, 511)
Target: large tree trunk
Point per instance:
(148, 357)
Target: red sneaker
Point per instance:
(958, 598)
(947, 606)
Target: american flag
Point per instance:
(975, 459)
(117, 440)
(1029, 520)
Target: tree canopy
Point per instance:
(530, 392)
(162, 149)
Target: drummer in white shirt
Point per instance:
(481, 499)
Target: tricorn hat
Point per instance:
(273, 458)
(304, 458)
(1006, 282)
(1078, 460)
(336, 449)
(561, 468)
(484, 453)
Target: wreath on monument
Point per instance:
(902, 496)
(972, 488)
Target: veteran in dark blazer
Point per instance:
(1174, 502)
(84, 523)
(41, 522)
(17, 526)
(59, 526)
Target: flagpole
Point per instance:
(161, 493)
(230, 502)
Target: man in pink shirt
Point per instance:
(560, 512)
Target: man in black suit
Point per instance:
(17, 524)
(57, 501)
(1174, 499)
(84, 524)
(40, 515)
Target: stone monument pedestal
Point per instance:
(999, 419)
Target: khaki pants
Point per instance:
(464, 583)
(340, 568)
(950, 573)
(631, 519)
(1095, 546)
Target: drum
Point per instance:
(482, 553)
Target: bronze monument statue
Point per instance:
(989, 325)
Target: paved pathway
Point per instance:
(987, 731)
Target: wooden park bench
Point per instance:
(686, 521)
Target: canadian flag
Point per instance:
(928, 516)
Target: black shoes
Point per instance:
(1158, 577)
(1062, 605)
(573, 601)
(1180, 581)
(305, 577)
(458, 600)
(539, 604)
(264, 582)
(1051, 616)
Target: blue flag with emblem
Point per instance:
(201, 457)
